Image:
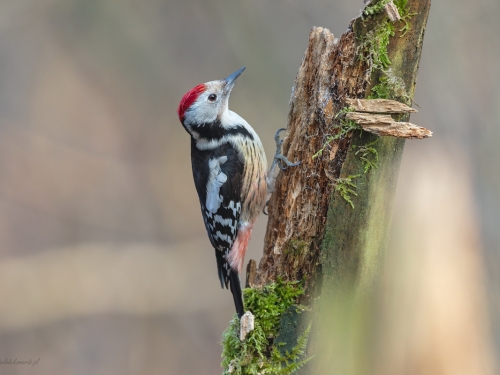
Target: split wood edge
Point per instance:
(374, 116)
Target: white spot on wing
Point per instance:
(216, 179)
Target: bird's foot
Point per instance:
(280, 160)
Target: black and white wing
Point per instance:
(218, 177)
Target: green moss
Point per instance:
(405, 15)
(390, 86)
(368, 156)
(296, 247)
(378, 6)
(343, 129)
(375, 7)
(373, 49)
(258, 354)
(401, 5)
(346, 188)
(406, 26)
(373, 46)
(320, 151)
(382, 90)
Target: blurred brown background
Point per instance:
(105, 267)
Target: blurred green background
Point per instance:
(105, 267)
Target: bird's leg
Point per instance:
(279, 160)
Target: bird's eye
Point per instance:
(212, 97)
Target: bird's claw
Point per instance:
(282, 162)
(277, 139)
(285, 163)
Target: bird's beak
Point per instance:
(230, 80)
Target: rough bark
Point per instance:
(313, 233)
(330, 77)
(329, 74)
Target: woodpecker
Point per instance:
(229, 170)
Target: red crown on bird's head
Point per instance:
(188, 99)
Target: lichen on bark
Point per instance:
(329, 74)
(313, 233)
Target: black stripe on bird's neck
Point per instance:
(214, 131)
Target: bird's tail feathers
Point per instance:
(229, 277)
(234, 280)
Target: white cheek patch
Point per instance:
(215, 180)
(201, 113)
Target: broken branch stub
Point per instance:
(399, 130)
(385, 125)
(366, 119)
(374, 117)
(379, 106)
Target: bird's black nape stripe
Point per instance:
(214, 131)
